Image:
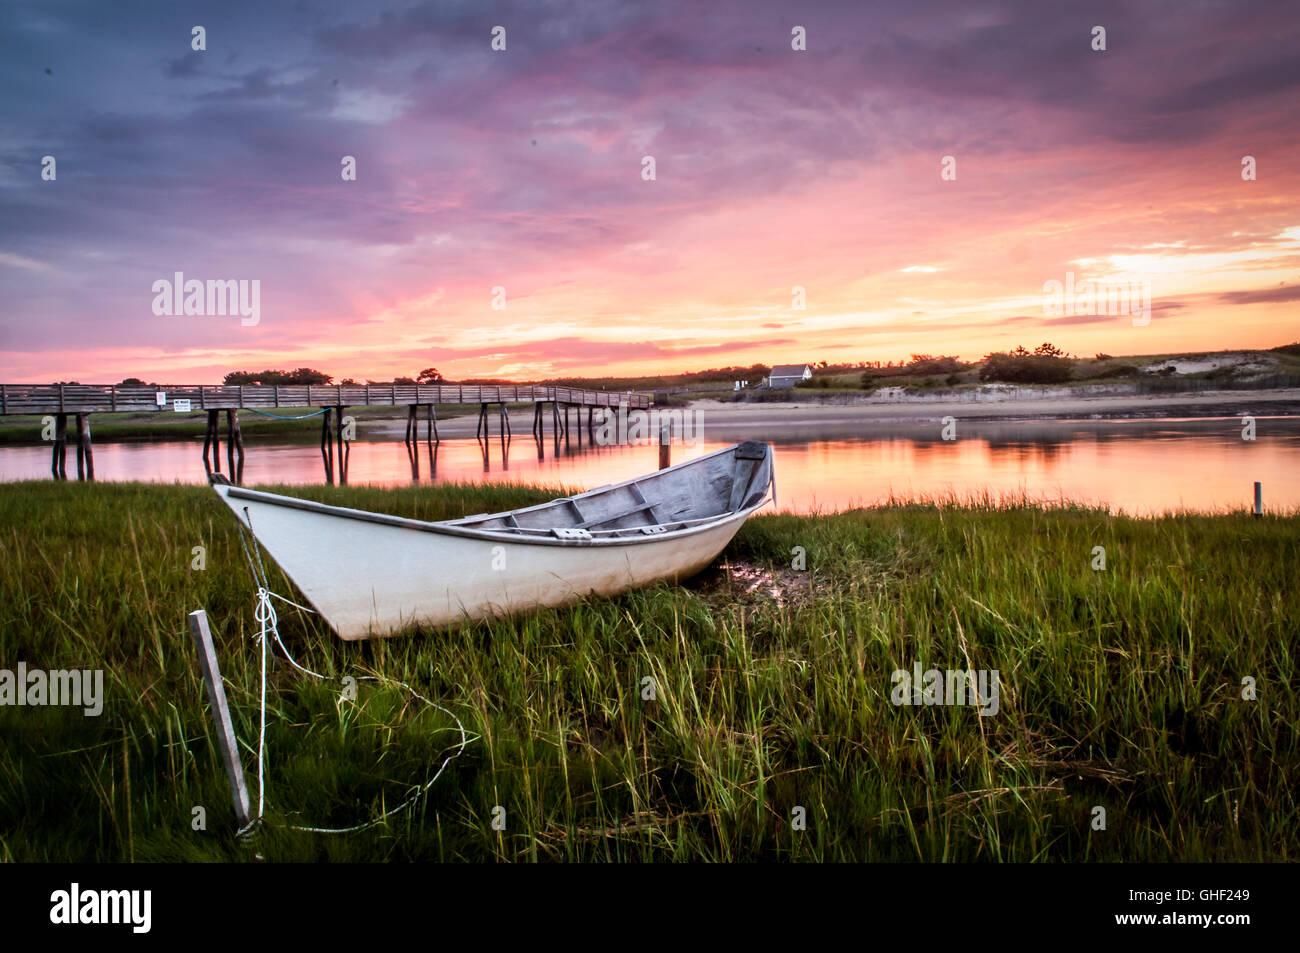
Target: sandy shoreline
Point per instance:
(724, 418)
(1205, 404)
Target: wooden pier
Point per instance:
(81, 400)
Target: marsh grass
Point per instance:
(1119, 689)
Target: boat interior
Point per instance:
(691, 493)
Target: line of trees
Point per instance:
(268, 378)
(1045, 364)
(309, 375)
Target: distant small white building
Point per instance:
(787, 375)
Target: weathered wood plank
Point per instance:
(221, 715)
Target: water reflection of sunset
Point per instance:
(1140, 467)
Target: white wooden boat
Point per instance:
(369, 574)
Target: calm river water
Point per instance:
(1134, 466)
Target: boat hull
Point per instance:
(369, 578)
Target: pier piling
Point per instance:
(343, 448)
(326, 447)
(58, 462)
(212, 441)
(234, 446)
(81, 451)
(85, 456)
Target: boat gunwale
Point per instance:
(460, 529)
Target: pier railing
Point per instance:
(109, 398)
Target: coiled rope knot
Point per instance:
(265, 613)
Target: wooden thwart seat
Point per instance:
(639, 508)
(642, 506)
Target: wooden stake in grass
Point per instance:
(221, 714)
(1259, 498)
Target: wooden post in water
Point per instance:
(326, 453)
(1259, 498)
(207, 443)
(343, 463)
(213, 440)
(232, 420)
(665, 446)
(431, 432)
(505, 420)
(221, 715)
(83, 436)
(81, 447)
(216, 439)
(232, 430)
(59, 462)
(410, 423)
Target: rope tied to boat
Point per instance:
(268, 621)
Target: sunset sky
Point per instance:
(522, 169)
